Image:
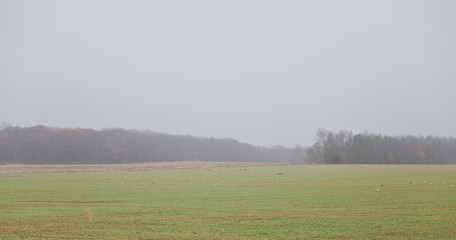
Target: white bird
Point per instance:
(377, 189)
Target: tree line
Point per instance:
(368, 148)
(45, 145)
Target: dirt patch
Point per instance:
(68, 202)
(9, 169)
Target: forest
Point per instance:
(369, 148)
(45, 145)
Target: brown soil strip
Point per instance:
(8, 169)
(255, 214)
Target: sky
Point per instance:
(259, 71)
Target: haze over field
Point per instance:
(262, 72)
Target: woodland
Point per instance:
(46, 145)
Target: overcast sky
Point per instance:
(262, 72)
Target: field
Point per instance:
(230, 202)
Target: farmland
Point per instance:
(232, 202)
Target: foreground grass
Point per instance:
(266, 202)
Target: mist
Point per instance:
(261, 72)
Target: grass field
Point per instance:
(260, 202)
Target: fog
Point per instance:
(262, 72)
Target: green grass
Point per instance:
(266, 202)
